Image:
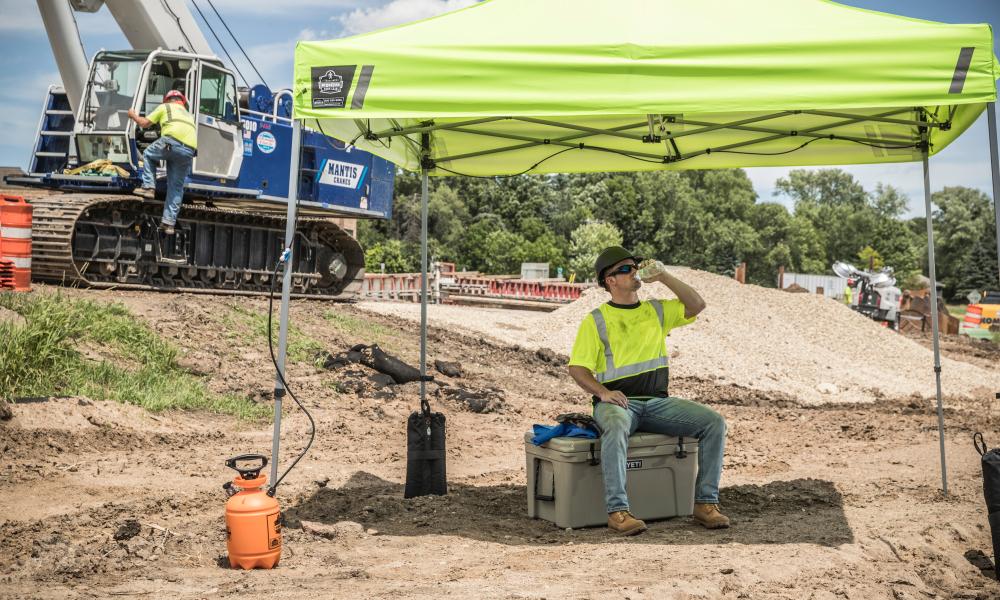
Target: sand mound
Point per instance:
(806, 345)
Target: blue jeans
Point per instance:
(178, 158)
(669, 416)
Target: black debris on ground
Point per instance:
(487, 400)
(451, 369)
(982, 562)
(127, 530)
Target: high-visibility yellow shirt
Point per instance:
(637, 361)
(176, 122)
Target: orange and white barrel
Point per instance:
(15, 238)
(973, 317)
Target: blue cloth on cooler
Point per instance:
(544, 433)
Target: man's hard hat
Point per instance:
(610, 256)
(175, 95)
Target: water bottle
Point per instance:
(650, 267)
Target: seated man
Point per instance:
(621, 358)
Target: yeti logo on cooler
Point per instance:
(633, 464)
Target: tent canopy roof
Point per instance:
(511, 86)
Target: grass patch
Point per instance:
(956, 310)
(251, 327)
(41, 358)
(360, 328)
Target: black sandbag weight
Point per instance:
(991, 491)
(425, 455)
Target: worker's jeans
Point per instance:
(669, 416)
(178, 158)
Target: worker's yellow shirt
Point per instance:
(638, 346)
(176, 122)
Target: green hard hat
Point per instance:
(610, 256)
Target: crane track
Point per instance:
(106, 241)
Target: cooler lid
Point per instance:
(578, 444)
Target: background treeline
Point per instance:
(709, 220)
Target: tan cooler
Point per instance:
(565, 484)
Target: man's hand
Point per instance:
(140, 121)
(614, 397)
(585, 379)
(652, 272)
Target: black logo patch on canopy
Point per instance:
(330, 86)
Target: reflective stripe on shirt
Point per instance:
(614, 372)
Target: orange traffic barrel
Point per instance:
(15, 238)
(973, 317)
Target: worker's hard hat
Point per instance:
(610, 256)
(175, 95)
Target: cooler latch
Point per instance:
(680, 452)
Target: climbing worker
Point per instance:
(620, 357)
(177, 146)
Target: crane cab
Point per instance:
(120, 81)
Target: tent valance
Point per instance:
(511, 86)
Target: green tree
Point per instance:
(889, 201)
(979, 272)
(586, 242)
(394, 255)
(870, 258)
(504, 252)
(963, 222)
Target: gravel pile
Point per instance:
(811, 347)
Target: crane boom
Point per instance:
(67, 48)
(147, 24)
(151, 24)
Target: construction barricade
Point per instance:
(15, 240)
(972, 322)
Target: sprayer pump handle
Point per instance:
(247, 472)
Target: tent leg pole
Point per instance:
(934, 318)
(286, 292)
(423, 287)
(991, 118)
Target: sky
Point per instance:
(268, 29)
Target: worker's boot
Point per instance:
(710, 517)
(144, 192)
(624, 523)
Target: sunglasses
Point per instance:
(624, 270)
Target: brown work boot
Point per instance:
(710, 517)
(145, 192)
(624, 523)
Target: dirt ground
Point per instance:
(104, 500)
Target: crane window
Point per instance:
(217, 96)
(114, 80)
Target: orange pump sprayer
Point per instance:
(253, 519)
